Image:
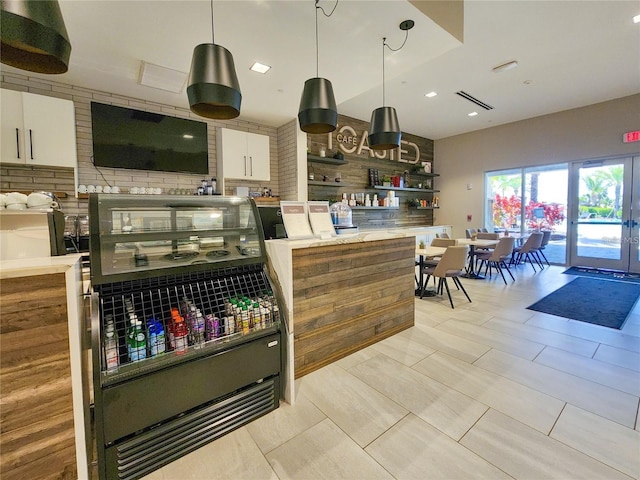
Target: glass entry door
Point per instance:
(603, 216)
(634, 236)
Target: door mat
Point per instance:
(603, 274)
(601, 302)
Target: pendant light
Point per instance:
(33, 36)
(384, 130)
(318, 112)
(213, 89)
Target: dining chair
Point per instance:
(528, 251)
(497, 258)
(469, 232)
(546, 236)
(442, 235)
(450, 266)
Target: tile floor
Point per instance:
(487, 390)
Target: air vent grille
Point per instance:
(149, 451)
(473, 99)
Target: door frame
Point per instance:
(626, 238)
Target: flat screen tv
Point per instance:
(126, 138)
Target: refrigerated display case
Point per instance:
(186, 329)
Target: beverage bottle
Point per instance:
(257, 316)
(136, 340)
(157, 342)
(209, 328)
(181, 332)
(198, 328)
(171, 329)
(245, 319)
(111, 346)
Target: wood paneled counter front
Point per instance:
(342, 294)
(43, 430)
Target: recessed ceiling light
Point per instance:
(430, 94)
(636, 19)
(472, 114)
(505, 66)
(186, 135)
(259, 67)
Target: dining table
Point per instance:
(425, 253)
(473, 243)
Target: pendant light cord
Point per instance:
(385, 44)
(317, 51)
(213, 36)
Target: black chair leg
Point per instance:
(530, 261)
(545, 257)
(459, 283)
(501, 274)
(508, 270)
(448, 292)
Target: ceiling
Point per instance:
(570, 54)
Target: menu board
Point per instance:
(320, 219)
(294, 216)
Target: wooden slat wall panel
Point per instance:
(36, 421)
(346, 297)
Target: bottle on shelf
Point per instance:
(180, 333)
(136, 340)
(111, 345)
(156, 335)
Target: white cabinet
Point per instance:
(37, 130)
(243, 155)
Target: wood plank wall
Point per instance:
(355, 177)
(36, 421)
(349, 296)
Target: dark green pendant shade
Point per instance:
(213, 89)
(384, 132)
(33, 36)
(318, 112)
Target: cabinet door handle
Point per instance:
(18, 142)
(251, 166)
(31, 142)
(245, 165)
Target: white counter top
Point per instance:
(26, 267)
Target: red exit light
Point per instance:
(631, 137)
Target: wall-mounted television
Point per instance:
(127, 138)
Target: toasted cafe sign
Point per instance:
(349, 141)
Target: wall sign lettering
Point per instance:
(348, 141)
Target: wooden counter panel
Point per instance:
(36, 421)
(349, 296)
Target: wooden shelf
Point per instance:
(27, 192)
(423, 208)
(423, 190)
(424, 174)
(327, 160)
(374, 208)
(320, 183)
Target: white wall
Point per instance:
(583, 133)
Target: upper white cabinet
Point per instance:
(37, 130)
(243, 155)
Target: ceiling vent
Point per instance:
(463, 94)
(156, 76)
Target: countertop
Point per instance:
(363, 236)
(26, 267)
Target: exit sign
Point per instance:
(631, 137)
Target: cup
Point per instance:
(427, 167)
(322, 152)
(107, 189)
(98, 188)
(134, 190)
(82, 189)
(91, 189)
(115, 189)
(157, 191)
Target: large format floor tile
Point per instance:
(607, 402)
(412, 449)
(606, 374)
(453, 345)
(446, 409)
(403, 349)
(501, 341)
(358, 409)
(571, 344)
(284, 423)
(529, 406)
(618, 356)
(600, 438)
(527, 454)
(324, 452)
